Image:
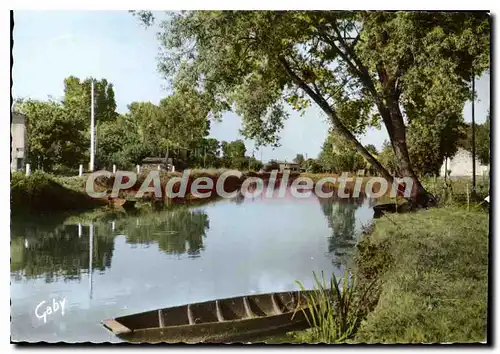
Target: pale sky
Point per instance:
(50, 46)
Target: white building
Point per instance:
(18, 141)
(460, 165)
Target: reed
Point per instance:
(334, 310)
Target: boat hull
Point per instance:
(236, 319)
(223, 332)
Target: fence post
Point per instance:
(467, 191)
(138, 169)
(28, 169)
(114, 169)
(80, 171)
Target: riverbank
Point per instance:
(43, 193)
(431, 271)
(433, 267)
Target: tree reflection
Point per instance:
(341, 217)
(57, 251)
(176, 232)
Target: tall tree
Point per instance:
(77, 97)
(358, 67)
(54, 135)
(179, 121)
(299, 159)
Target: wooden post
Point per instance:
(114, 169)
(445, 168)
(80, 171)
(467, 191)
(138, 169)
(28, 169)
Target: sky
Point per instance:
(52, 45)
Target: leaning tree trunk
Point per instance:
(337, 123)
(397, 134)
(394, 123)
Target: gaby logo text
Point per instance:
(45, 309)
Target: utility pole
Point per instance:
(473, 139)
(92, 133)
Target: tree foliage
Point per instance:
(360, 68)
(77, 98)
(387, 158)
(299, 159)
(337, 156)
(55, 135)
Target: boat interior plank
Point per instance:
(161, 322)
(190, 315)
(220, 316)
(248, 311)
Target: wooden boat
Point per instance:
(233, 319)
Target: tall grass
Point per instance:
(334, 309)
(455, 192)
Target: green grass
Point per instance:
(43, 193)
(434, 268)
(457, 191)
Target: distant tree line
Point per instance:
(58, 131)
(427, 146)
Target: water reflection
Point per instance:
(176, 232)
(345, 222)
(53, 251)
(60, 251)
(143, 260)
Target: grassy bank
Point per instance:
(434, 269)
(431, 273)
(43, 193)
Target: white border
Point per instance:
(253, 5)
(189, 4)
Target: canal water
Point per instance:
(102, 266)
